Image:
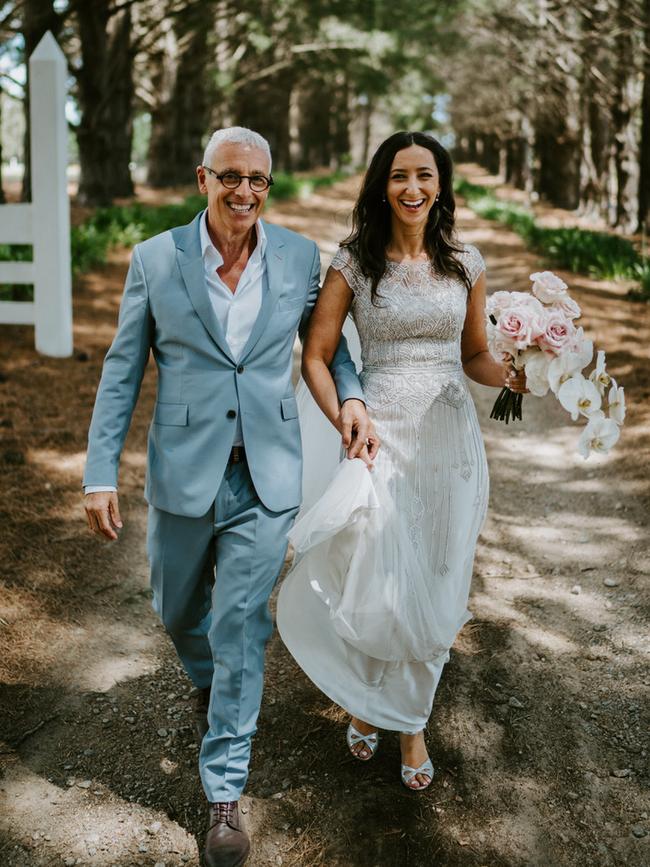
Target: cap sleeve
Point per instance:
(345, 262)
(473, 262)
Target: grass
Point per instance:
(598, 254)
(126, 225)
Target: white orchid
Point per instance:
(599, 376)
(562, 368)
(579, 396)
(583, 346)
(616, 403)
(599, 435)
(536, 364)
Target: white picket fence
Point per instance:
(45, 222)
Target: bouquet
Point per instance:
(536, 332)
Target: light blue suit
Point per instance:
(204, 511)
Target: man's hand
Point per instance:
(358, 432)
(103, 513)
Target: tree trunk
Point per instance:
(314, 126)
(625, 157)
(180, 120)
(264, 105)
(340, 121)
(489, 153)
(38, 16)
(595, 135)
(514, 163)
(643, 218)
(105, 89)
(2, 192)
(367, 131)
(558, 179)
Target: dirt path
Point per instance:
(539, 724)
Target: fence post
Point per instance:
(50, 205)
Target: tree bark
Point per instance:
(340, 121)
(625, 158)
(264, 105)
(180, 119)
(2, 192)
(643, 217)
(105, 90)
(595, 135)
(38, 16)
(314, 125)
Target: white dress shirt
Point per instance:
(236, 311)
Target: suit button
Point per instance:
(240, 369)
(231, 414)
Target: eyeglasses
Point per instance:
(231, 180)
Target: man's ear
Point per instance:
(200, 178)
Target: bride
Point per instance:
(380, 584)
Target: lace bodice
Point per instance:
(410, 340)
(420, 315)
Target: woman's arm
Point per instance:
(478, 364)
(323, 336)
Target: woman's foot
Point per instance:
(414, 756)
(362, 749)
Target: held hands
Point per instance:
(358, 432)
(103, 513)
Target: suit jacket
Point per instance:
(201, 387)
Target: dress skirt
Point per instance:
(384, 558)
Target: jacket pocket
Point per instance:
(294, 302)
(171, 413)
(289, 408)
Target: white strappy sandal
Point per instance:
(354, 737)
(408, 774)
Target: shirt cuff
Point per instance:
(97, 489)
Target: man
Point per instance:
(219, 302)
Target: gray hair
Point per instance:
(236, 135)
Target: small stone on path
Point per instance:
(514, 702)
(611, 582)
(576, 589)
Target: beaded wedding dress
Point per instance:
(380, 582)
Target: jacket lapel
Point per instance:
(190, 262)
(274, 260)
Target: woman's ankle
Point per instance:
(362, 726)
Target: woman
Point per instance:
(380, 586)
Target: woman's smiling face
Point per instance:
(413, 184)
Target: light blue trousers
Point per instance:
(212, 577)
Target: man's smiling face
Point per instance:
(234, 211)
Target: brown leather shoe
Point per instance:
(201, 705)
(227, 843)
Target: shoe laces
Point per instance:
(222, 812)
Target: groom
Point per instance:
(218, 302)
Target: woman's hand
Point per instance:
(516, 380)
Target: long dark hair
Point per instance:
(371, 219)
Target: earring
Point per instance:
(383, 198)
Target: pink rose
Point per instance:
(499, 301)
(560, 332)
(523, 322)
(548, 287)
(569, 307)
